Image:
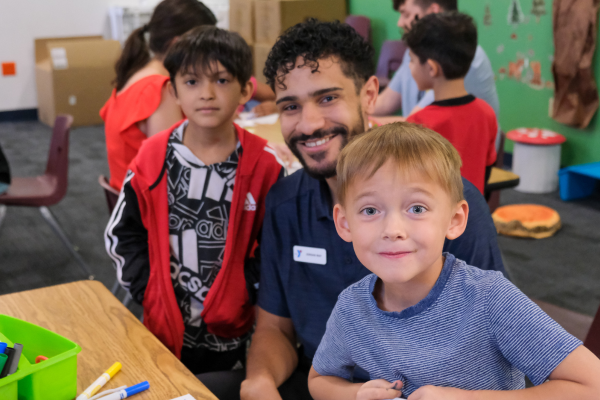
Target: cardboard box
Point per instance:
(273, 17)
(261, 52)
(74, 76)
(241, 19)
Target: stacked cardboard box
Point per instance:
(74, 76)
(261, 22)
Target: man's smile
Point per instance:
(317, 142)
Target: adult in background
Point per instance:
(403, 92)
(141, 103)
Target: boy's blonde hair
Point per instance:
(411, 147)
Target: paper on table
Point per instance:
(186, 397)
(248, 119)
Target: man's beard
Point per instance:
(326, 171)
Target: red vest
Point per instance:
(227, 310)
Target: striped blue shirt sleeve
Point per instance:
(527, 337)
(333, 355)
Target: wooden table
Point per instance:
(88, 314)
(271, 133)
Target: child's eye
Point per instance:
(222, 81)
(370, 211)
(291, 107)
(191, 82)
(417, 210)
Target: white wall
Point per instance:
(22, 21)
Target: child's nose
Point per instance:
(395, 229)
(207, 92)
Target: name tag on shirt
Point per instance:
(310, 255)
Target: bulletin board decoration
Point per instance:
(487, 16)
(538, 9)
(515, 13)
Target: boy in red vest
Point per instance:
(442, 47)
(184, 231)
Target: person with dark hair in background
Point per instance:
(403, 92)
(141, 104)
(441, 48)
(184, 231)
(322, 75)
(4, 172)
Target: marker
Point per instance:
(17, 350)
(128, 392)
(3, 347)
(3, 360)
(104, 378)
(12, 362)
(40, 358)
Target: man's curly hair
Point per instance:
(314, 41)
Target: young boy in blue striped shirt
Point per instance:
(424, 325)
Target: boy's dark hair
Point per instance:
(204, 45)
(450, 38)
(314, 40)
(171, 18)
(447, 5)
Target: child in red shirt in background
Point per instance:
(442, 47)
(141, 104)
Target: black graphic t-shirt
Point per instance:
(199, 203)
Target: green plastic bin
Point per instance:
(54, 378)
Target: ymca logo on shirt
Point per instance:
(249, 204)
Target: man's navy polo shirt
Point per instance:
(299, 212)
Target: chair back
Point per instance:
(500, 153)
(57, 167)
(390, 58)
(361, 24)
(592, 340)
(111, 193)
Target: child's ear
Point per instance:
(247, 92)
(434, 68)
(341, 223)
(458, 223)
(173, 92)
(369, 93)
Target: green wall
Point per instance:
(522, 104)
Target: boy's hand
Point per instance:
(379, 389)
(437, 393)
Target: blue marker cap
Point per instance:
(3, 347)
(140, 387)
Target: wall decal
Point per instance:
(515, 13)
(538, 9)
(487, 16)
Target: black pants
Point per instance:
(226, 385)
(202, 360)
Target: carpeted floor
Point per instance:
(562, 270)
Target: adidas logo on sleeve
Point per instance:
(249, 204)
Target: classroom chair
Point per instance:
(390, 59)
(112, 195)
(361, 24)
(493, 197)
(46, 190)
(592, 340)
